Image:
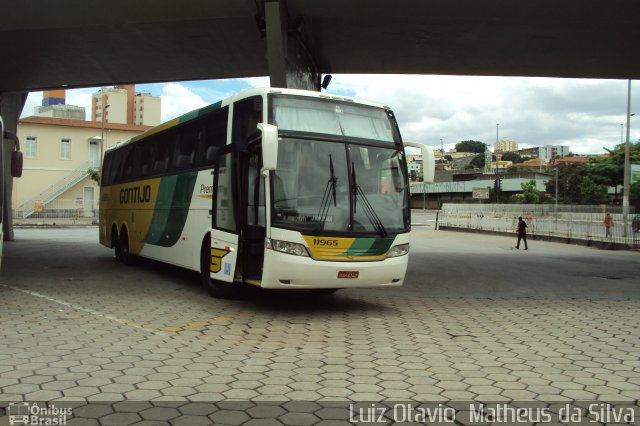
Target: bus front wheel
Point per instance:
(217, 289)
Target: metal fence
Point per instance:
(58, 211)
(571, 222)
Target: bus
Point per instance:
(276, 188)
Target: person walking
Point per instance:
(522, 233)
(608, 223)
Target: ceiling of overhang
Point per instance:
(79, 43)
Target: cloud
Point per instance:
(584, 114)
(177, 100)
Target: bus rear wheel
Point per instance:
(115, 241)
(123, 244)
(217, 289)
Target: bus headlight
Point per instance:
(286, 247)
(399, 250)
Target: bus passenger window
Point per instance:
(145, 159)
(213, 137)
(186, 147)
(247, 113)
(162, 150)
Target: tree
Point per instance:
(587, 183)
(530, 194)
(591, 192)
(514, 157)
(94, 174)
(477, 162)
(471, 146)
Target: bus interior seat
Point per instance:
(183, 161)
(160, 166)
(211, 153)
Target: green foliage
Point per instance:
(591, 192)
(477, 162)
(471, 146)
(512, 156)
(588, 183)
(530, 194)
(94, 174)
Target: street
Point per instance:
(476, 321)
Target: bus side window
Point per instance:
(247, 113)
(105, 179)
(145, 159)
(162, 151)
(128, 168)
(213, 137)
(186, 146)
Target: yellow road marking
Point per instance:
(198, 324)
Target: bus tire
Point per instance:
(216, 288)
(127, 258)
(115, 242)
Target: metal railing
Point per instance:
(57, 212)
(29, 207)
(571, 222)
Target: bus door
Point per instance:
(224, 235)
(254, 217)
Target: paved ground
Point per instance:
(476, 320)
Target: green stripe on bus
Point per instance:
(171, 209)
(369, 247)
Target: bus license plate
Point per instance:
(351, 275)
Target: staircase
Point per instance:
(54, 191)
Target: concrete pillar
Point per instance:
(289, 51)
(11, 105)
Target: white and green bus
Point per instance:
(278, 188)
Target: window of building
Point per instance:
(31, 147)
(65, 149)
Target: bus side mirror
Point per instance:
(428, 161)
(269, 146)
(16, 155)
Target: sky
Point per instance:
(441, 111)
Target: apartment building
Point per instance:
(505, 145)
(123, 105)
(545, 152)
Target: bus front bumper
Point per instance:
(284, 271)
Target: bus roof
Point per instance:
(237, 97)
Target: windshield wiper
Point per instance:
(330, 190)
(368, 208)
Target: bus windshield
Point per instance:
(322, 186)
(313, 115)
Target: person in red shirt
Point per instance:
(608, 223)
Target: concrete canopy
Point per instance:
(79, 43)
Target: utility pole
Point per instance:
(627, 166)
(497, 170)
